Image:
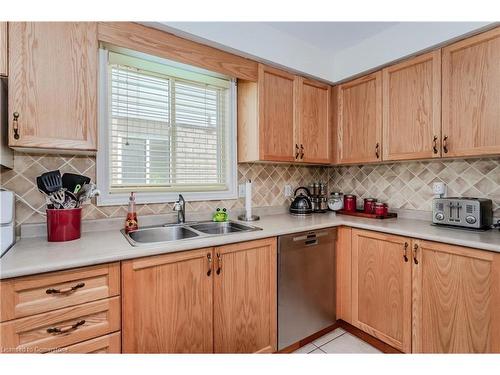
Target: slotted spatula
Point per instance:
(50, 182)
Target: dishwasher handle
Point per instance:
(311, 238)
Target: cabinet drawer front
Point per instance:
(32, 334)
(32, 295)
(101, 345)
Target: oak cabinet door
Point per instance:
(245, 297)
(276, 114)
(412, 108)
(4, 71)
(456, 299)
(312, 121)
(53, 85)
(471, 96)
(343, 274)
(167, 303)
(381, 287)
(359, 120)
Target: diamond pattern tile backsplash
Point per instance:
(408, 185)
(405, 185)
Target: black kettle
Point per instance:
(301, 204)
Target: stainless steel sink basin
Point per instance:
(221, 228)
(161, 234)
(178, 232)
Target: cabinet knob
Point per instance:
(297, 152)
(209, 259)
(219, 264)
(377, 150)
(15, 125)
(301, 151)
(405, 255)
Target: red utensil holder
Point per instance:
(64, 224)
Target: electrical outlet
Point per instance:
(288, 191)
(439, 189)
(241, 191)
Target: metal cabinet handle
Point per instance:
(405, 256)
(65, 290)
(434, 144)
(297, 152)
(15, 125)
(377, 150)
(445, 144)
(209, 259)
(58, 331)
(415, 248)
(301, 151)
(219, 264)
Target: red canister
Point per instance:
(64, 224)
(381, 209)
(350, 202)
(369, 205)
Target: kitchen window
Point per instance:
(165, 128)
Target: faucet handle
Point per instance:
(177, 206)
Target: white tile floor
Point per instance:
(337, 341)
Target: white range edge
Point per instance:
(31, 256)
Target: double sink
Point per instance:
(177, 232)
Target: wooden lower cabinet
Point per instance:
(245, 299)
(456, 299)
(381, 287)
(167, 303)
(220, 300)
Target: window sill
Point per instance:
(118, 199)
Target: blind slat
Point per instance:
(165, 131)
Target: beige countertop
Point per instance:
(35, 255)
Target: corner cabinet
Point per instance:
(53, 85)
(220, 300)
(4, 66)
(358, 122)
(471, 96)
(381, 287)
(412, 108)
(283, 118)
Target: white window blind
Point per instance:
(167, 128)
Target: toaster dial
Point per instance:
(439, 216)
(470, 219)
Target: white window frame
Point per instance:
(106, 198)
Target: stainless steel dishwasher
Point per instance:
(306, 284)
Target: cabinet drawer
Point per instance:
(33, 334)
(25, 296)
(101, 345)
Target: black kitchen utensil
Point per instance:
(70, 181)
(49, 182)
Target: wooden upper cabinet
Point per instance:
(167, 303)
(381, 287)
(471, 96)
(4, 67)
(358, 125)
(312, 121)
(53, 85)
(412, 108)
(245, 297)
(456, 299)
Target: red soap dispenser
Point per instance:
(131, 221)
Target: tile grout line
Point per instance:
(319, 347)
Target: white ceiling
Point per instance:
(331, 36)
(332, 51)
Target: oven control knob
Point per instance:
(470, 219)
(439, 216)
